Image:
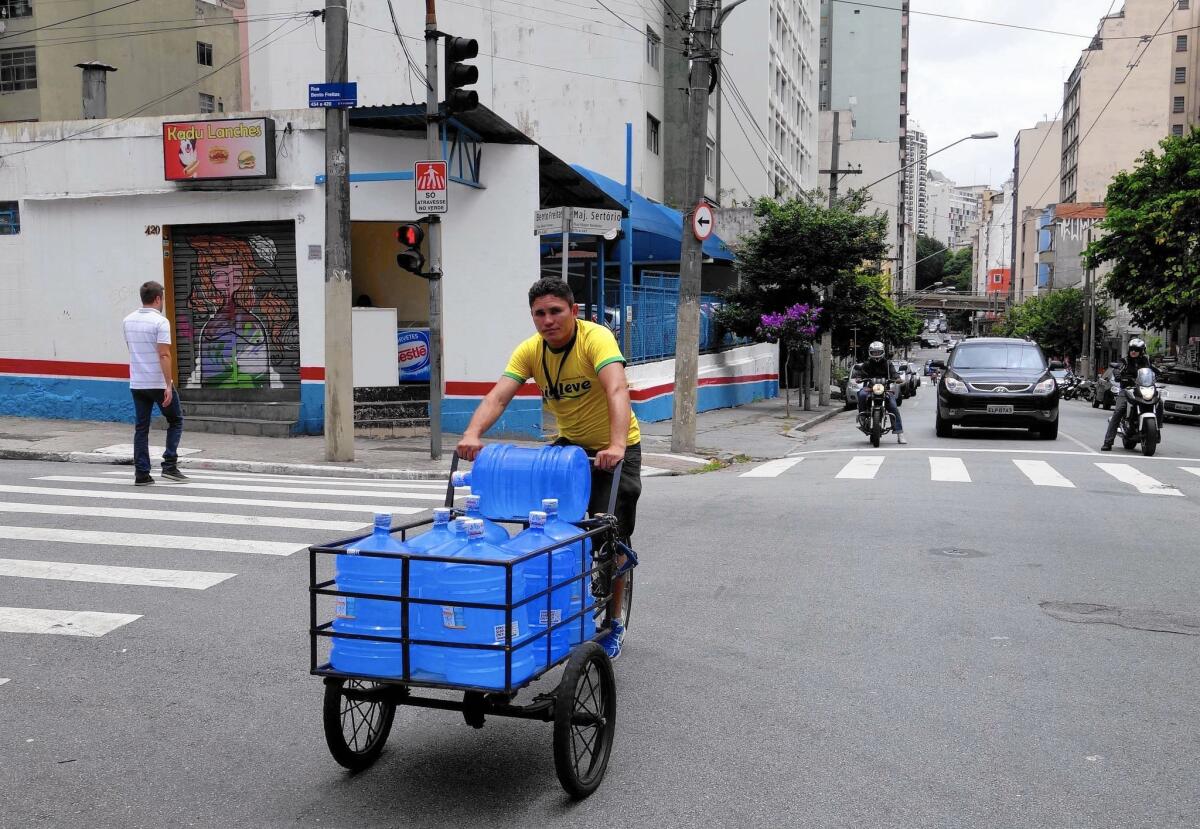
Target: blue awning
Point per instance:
(656, 228)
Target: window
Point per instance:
(710, 160)
(15, 8)
(10, 218)
(18, 69)
(1182, 5)
(204, 53)
(207, 103)
(1180, 74)
(653, 47)
(997, 279)
(1177, 130)
(1180, 43)
(652, 132)
(1177, 104)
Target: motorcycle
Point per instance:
(1141, 421)
(1085, 391)
(876, 421)
(1071, 387)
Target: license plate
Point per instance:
(1183, 407)
(996, 409)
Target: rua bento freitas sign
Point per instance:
(231, 148)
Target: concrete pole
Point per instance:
(687, 337)
(434, 151)
(825, 355)
(339, 365)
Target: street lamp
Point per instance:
(975, 136)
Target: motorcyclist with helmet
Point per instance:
(1126, 376)
(877, 366)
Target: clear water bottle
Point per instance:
(374, 617)
(437, 535)
(492, 532)
(513, 480)
(483, 583)
(534, 575)
(578, 593)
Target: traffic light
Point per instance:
(459, 74)
(411, 259)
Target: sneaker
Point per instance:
(900, 438)
(142, 479)
(611, 641)
(172, 473)
(1107, 447)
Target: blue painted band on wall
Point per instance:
(66, 398)
(708, 398)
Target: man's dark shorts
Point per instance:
(628, 490)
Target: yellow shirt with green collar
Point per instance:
(581, 405)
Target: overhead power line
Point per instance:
(26, 32)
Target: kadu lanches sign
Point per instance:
(233, 148)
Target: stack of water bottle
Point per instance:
(503, 480)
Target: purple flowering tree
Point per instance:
(795, 328)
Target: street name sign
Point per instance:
(430, 180)
(548, 221)
(594, 222)
(702, 221)
(331, 95)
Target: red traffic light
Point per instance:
(410, 235)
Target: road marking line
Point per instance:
(771, 469)
(2, 680)
(964, 450)
(312, 506)
(948, 469)
(62, 622)
(421, 496)
(862, 468)
(383, 483)
(1079, 443)
(1192, 469)
(1042, 473)
(104, 574)
(1142, 482)
(149, 541)
(183, 517)
(688, 459)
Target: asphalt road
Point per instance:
(929, 635)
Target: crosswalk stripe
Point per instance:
(1042, 474)
(948, 469)
(184, 517)
(148, 541)
(225, 487)
(1140, 481)
(862, 467)
(1195, 470)
(103, 574)
(311, 506)
(771, 469)
(382, 483)
(2, 680)
(61, 622)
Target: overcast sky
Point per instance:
(967, 77)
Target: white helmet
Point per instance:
(1137, 343)
(875, 349)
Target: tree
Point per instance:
(956, 272)
(795, 330)
(1152, 234)
(1054, 321)
(931, 261)
(801, 249)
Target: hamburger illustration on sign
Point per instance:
(230, 148)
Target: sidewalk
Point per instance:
(756, 431)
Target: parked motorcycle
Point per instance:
(1086, 390)
(1141, 421)
(876, 421)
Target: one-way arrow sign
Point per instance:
(702, 221)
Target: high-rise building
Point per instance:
(1035, 171)
(916, 197)
(182, 58)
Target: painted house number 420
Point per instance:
(153, 230)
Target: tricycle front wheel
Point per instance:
(585, 719)
(358, 718)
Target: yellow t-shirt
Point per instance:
(582, 406)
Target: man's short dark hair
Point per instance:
(150, 291)
(550, 286)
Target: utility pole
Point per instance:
(687, 336)
(825, 356)
(432, 130)
(339, 362)
(1091, 324)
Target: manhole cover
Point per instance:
(957, 552)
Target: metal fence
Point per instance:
(654, 305)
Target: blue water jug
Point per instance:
(535, 573)
(579, 593)
(437, 535)
(493, 533)
(375, 617)
(483, 583)
(427, 662)
(513, 480)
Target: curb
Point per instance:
(218, 465)
(795, 431)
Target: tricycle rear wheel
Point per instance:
(585, 719)
(356, 728)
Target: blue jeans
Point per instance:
(889, 401)
(144, 401)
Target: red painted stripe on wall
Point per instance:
(641, 395)
(64, 368)
(312, 372)
(471, 388)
